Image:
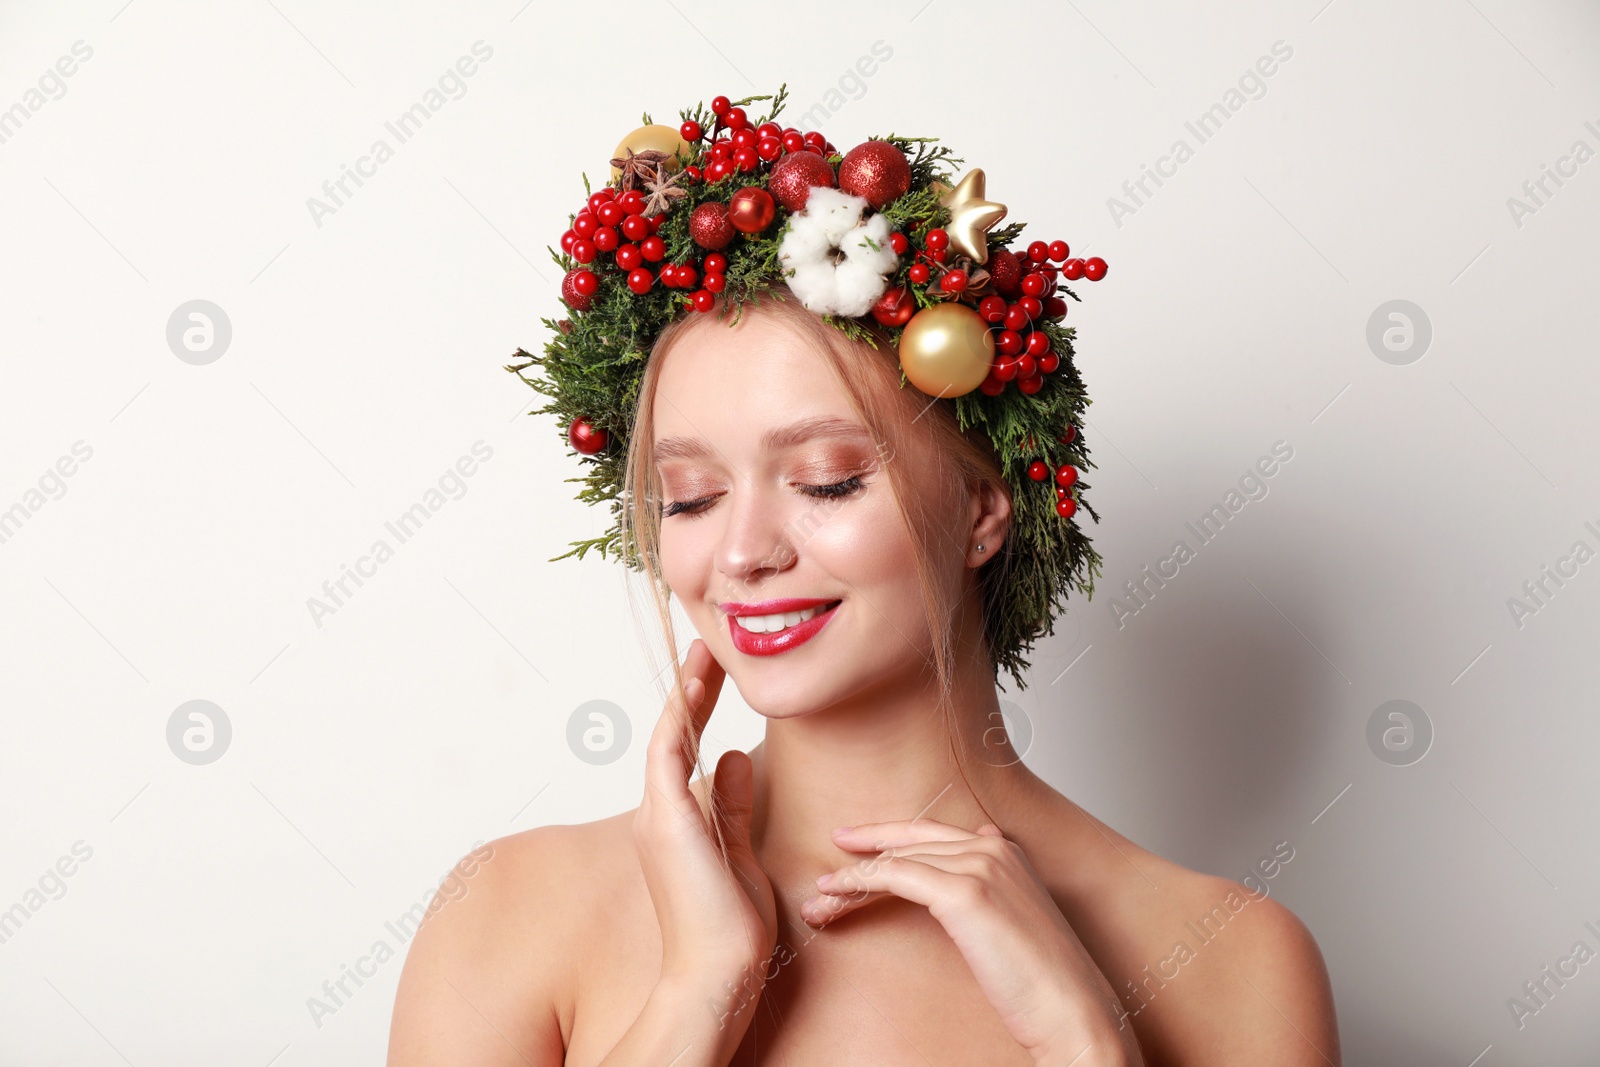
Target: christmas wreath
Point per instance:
(728, 204)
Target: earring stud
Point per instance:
(980, 548)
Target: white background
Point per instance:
(429, 711)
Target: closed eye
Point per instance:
(853, 484)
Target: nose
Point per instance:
(755, 541)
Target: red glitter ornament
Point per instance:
(575, 296)
(793, 177)
(1005, 271)
(875, 170)
(709, 226)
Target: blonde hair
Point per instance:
(899, 418)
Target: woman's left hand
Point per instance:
(1024, 954)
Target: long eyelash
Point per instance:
(837, 489)
(850, 485)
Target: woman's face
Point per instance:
(774, 490)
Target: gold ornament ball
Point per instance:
(946, 350)
(654, 137)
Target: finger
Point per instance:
(677, 731)
(824, 908)
(984, 844)
(877, 836)
(713, 673)
(733, 806)
(703, 680)
(733, 792)
(921, 880)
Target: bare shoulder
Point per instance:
(489, 978)
(1211, 970)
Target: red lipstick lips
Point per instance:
(770, 644)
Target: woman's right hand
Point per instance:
(718, 930)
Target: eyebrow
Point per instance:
(775, 439)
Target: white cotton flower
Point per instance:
(837, 264)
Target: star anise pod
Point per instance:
(664, 189)
(637, 166)
(977, 280)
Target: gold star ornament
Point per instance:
(971, 216)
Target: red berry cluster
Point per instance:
(609, 220)
(746, 147)
(1024, 292)
(615, 223)
(1066, 476)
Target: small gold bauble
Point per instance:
(946, 350)
(657, 138)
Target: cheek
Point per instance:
(868, 544)
(686, 557)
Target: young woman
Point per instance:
(881, 880)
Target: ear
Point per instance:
(990, 513)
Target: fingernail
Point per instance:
(841, 831)
(824, 880)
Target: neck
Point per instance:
(886, 755)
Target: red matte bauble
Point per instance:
(709, 226)
(793, 177)
(1005, 271)
(586, 438)
(751, 210)
(876, 171)
(895, 307)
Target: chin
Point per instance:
(788, 686)
(791, 687)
